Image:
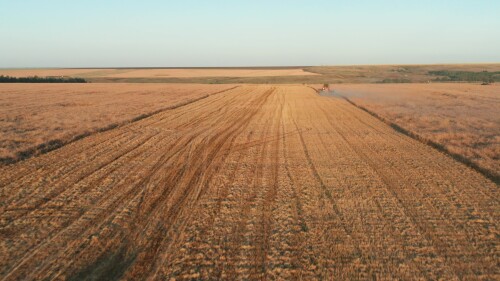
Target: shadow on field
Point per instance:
(109, 266)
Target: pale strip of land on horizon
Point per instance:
(154, 73)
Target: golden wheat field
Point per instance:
(464, 118)
(34, 117)
(253, 182)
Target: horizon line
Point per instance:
(251, 67)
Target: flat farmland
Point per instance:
(463, 118)
(34, 117)
(158, 72)
(264, 75)
(257, 182)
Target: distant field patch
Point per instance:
(159, 73)
(181, 73)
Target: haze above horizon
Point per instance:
(196, 33)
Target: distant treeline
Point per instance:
(468, 76)
(36, 79)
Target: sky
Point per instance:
(189, 33)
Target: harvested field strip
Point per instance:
(486, 172)
(255, 182)
(460, 120)
(37, 118)
(57, 143)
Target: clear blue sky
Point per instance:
(100, 33)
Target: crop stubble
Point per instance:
(34, 117)
(461, 118)
(258, 181)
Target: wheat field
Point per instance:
(37, 117)
(256, 182)
(463, 118)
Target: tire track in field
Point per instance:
(325, 189)
(59, 186)
(223, 137)
(329, 229)
(262, 241)
(235, 236)
(173, 208)
(89, 146)
(202, 166)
